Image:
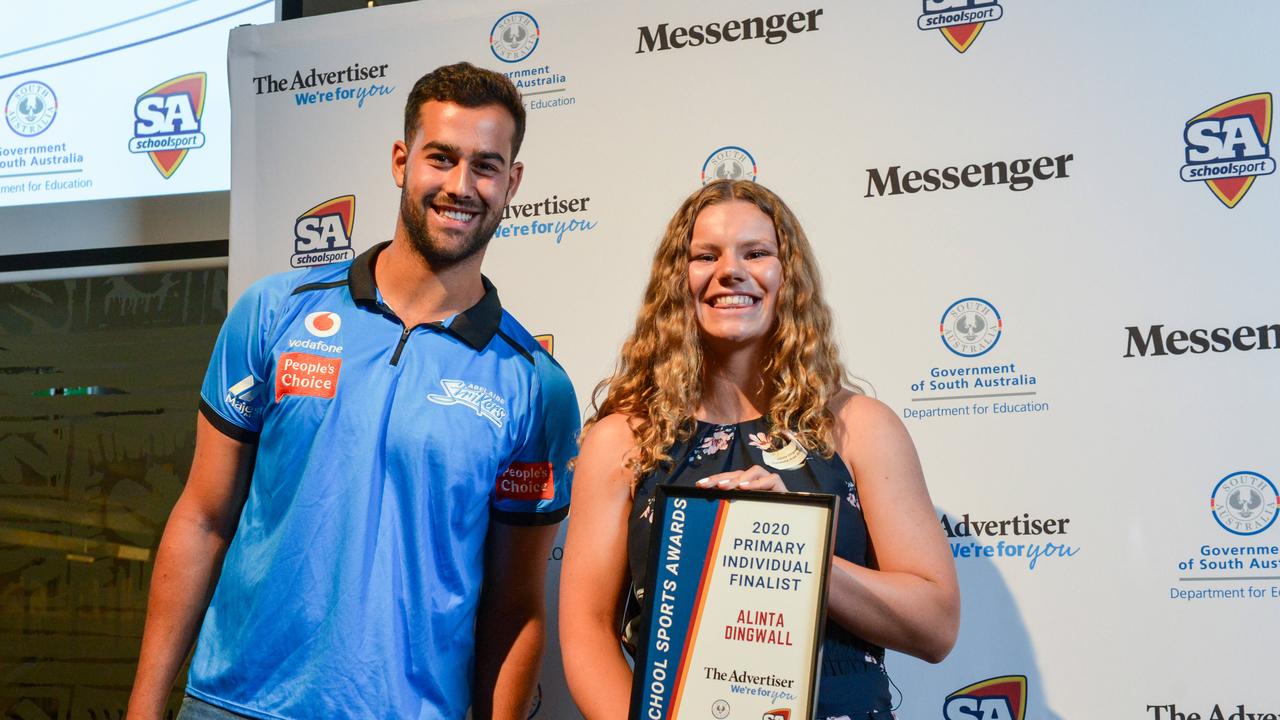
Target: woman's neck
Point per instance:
(733, 387)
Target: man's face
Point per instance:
(455, 180)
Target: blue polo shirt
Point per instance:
(351, 585)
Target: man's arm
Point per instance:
(188, 563)
(511, 620)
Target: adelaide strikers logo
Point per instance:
(30, 108)
(1227, 146)
(1244, 503)
(166, 121)
(959, 21)
(970, 327)
(997, 698)
(729, 163)
(514, 37)
(322, 234)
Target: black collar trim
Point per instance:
(476, 325)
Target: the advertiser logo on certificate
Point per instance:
(737, 605)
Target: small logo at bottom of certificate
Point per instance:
(778, 714)
(720, 709)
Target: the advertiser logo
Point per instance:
(241, 395)
(308, 375)
(553, 217)
(1219, 712)
(485, 402)
(512, 39)
(729, 163)
(1157, 341)
(1019, 175)
(30, 108)
(320, 87)
(1020, 539)
(166, 121)
(971, 328)
(960, 21)
(322, 234)
(323, 324)
(1244, 503)
(772, 29)
(997, 698)
(527, 481)
(1227, 146)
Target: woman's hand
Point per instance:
(753, 478)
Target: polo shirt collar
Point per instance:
(476, 325)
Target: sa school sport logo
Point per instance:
(166, 121)
(997, 698)
(729, 163)
(959, 21)
(1227, 146)
(322, 235)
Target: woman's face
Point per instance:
(734, 273)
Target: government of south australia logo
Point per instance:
(729, 163)
(322, 235)
(960, 21)
(1227, 146)
(30, 108)
(166, 121)
(997, 698)
(970, 327)
(514, 37)
(1245, 503)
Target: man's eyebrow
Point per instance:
(441, 146)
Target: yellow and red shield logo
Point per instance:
(1245, 144)
(167, 121)
(997, 697)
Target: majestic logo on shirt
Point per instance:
(305, 374)
(487, 403)
(998, 698)
(241, 394)
(959, 20)
(1226, 146)
(323, 324)
(322, 234)
(527, 481)
(167, 121)
(1245, 503)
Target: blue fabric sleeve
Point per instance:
(534, 489)
(235, 392)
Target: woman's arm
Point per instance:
(594, 575)
(910, 601)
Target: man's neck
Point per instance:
(421, 294)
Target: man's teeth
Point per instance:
(457, 215)
(734, 301)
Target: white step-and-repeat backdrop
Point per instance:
(1048, 230)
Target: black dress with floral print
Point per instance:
(854, 684)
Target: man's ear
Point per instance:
(399, 161)
(516, 173)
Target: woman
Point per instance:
(732, 356)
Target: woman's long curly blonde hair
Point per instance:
(658, 381)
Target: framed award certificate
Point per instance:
(736, 602)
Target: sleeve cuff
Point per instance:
(529, 518)
(225, 426)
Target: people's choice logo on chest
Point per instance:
(485, 402)
(323, 324)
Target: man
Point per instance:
(381, 455)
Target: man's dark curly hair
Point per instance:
(469, 86)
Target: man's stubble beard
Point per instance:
(437, 255)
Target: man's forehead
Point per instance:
(483, 125)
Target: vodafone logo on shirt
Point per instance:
(323, 324)
(527, 481)
(305, 374)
